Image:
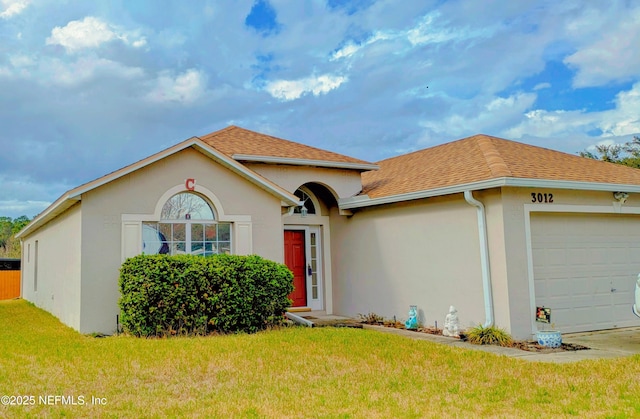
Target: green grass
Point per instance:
(294, 372)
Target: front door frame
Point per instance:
(312, 303)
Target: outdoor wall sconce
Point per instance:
(621, 197)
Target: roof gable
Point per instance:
(483, 158)
(74, 195)
(245, 145)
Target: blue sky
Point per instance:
(89, 87)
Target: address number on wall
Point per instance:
(546, 198)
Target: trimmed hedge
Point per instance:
(185, 294)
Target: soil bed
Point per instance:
(529, 346)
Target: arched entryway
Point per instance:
(306, 242)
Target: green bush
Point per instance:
(491, 335)
(185, 294)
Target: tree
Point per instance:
(9, 245)
(627, 154)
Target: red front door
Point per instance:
(294, 258)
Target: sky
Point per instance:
(87, 87)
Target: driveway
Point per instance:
(624, 342)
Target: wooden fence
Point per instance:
(9, 284)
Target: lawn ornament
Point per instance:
(451, 323)
(412, 321)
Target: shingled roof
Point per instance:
(481, 158)
(245, 145)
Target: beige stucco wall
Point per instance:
(426, 252)
(139, 193)
(343, 183)
(422, 252)
(59, 266)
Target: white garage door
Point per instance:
(585, 267)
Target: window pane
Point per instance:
(179, 232)
(197, 232)
(224, 247)
(224, 232)
(210, 232)
(165, 230)
(178, 248)
(313, 239)
(186, 206)
(151, 239)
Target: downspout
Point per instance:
(484, 257)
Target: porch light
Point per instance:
(304, 211)
(621, 197)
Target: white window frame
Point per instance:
(241, 225)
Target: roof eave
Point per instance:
(361, 201)
(52, 211)
(305, 162)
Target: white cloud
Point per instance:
(90, 32)
(612, 57)
(625, 119)
(85, 69)
(352, 48)
(427, 32)
(184, 88)
(543, 123)
(294, 89)
(347, 51)
(20, 60)
(541, 86)
(621, 121)
(482, 116)
(29, 208)
(53, 70)
(12, 7)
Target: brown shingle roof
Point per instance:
(235, 140)
(483, 157)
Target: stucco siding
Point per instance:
(139, 193)
(343, 183)
(55, 249)
(420, 252)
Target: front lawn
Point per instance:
(293, 372)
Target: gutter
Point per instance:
(361, 201)
(636, 306)
(484, 257)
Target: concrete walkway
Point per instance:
(603, 344)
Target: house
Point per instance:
(491, 226)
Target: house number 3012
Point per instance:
(547, 198)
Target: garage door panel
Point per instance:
(585, 267)
(555, 257)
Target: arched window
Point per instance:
(187, 206)
(187, 225)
